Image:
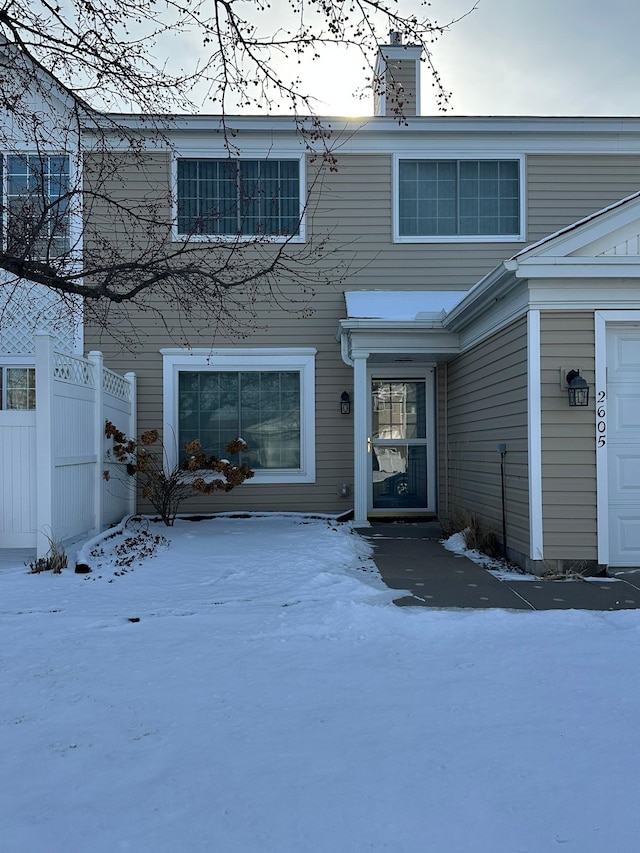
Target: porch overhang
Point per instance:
(387, 327)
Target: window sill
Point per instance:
(463, 238)
(275, 476)
(261, 239)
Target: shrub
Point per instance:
(55, 561)
(144, 458)
(478, 534)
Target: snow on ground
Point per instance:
(505, 571)
(271, 699)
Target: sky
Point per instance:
(251, 687)
(524, 57)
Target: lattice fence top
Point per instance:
(69, 368)
(116, 385)
(26, 308)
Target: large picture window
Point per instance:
(265, 397)
(262, 407)
(36, 204)
(238, 197)
(459, 198)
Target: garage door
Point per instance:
(623, 454)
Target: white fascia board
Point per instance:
(440, 136)
(393, 325)
(611, 266)
(584, 294)
(504, 311)
(418, 337)
(480, 298)
(436, 123)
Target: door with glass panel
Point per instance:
(400, 445)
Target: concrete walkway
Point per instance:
(411, 559)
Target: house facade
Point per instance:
(415, 362)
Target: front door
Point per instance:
(401, 445)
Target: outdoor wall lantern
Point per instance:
(578, 389)
(345, 403)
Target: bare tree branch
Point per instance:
(70, 225)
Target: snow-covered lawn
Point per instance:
(271, 699)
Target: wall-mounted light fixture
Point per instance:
(345, 403)
(578, 389)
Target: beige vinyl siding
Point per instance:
(349, 246)
(350, 213)
(487, 406)
(568, 439)
(354, 213)
(400, 83)
(563, 188)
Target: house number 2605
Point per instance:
(601, 414)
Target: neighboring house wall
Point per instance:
(487, 406)
(568, 439)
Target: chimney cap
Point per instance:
(395, 37)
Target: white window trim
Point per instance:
(76, 229)
(457, 238)
(247, 359)
(17, 361)
(300, 237)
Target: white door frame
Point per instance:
(400, 372)
(603, 320)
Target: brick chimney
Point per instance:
(396, 90)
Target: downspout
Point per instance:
(344, 349)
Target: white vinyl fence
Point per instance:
(52, 459)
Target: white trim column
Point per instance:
(361, 450)
(534, 431)
(602, 469)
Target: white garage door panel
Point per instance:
(623, 444)
(624, 354)
(624, 412)
(625, 538)
(624, 476)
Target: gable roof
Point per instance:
(602, 233)
(605, 244)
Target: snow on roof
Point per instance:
(400, 304)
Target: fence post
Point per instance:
(97, 360)
(132, 431)
(45, 442)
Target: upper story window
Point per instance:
(238, 197)
(36, 204)
(459, 199)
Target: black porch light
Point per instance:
(345, 403)
(578, 389)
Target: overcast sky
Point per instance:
(525, 57)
